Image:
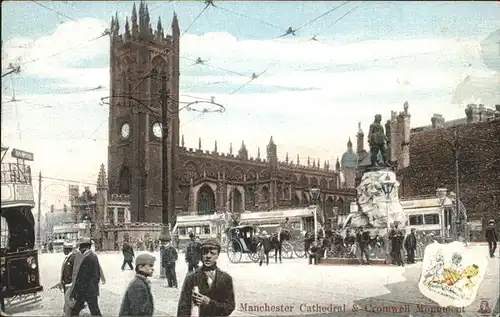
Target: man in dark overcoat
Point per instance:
(411, 246)
(208, 288)
(491, 237)
(266, 247)
(193, 253)
(85, 288)
(396, 237)
(169, 257)
(363, 239)
(67, 266)
(138, 298)
(128, 255)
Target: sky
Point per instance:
(346, 62)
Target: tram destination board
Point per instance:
(22, 155)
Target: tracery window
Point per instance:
(206, 200)
(121, 215)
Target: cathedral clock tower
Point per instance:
(139, 58)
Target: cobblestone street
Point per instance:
(290, 288)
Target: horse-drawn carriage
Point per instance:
(247, 239)
(242, 240)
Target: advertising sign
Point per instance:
(22, 155)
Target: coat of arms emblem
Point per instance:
(451, 274)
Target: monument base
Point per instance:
(350, 261)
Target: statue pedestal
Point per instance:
(375, 206)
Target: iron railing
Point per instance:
(13, 173)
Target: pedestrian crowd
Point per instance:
(362, 244)
(207, 290)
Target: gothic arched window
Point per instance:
(205, 200)
(250, 196)
(125, 181)
(265, 193)
(236, 201)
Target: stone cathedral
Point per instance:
(200, 180)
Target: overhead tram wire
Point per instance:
(105, 33)
(195, 19)
(68, 180)
(341, 17)
(249, 17)
(373, 61)
(53, 10)
(216, 67)
(184, 32)
(322, 15)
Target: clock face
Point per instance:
(125, 131)
(157, 129)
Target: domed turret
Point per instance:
(349, 158)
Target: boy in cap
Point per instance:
(491, 237)
(208, 287)
(138, 298)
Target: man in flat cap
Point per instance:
(208, 288)
(85, 286)
(138, 298)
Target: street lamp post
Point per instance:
(441, 194)
(315, 196)
(387, 187)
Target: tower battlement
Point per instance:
(140, 29)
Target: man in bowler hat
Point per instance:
(208, 288)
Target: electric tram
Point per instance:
(20, 275)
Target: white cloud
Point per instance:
(50, 56)
(352, 82)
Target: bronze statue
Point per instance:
(377, 141)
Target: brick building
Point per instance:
(477, 137)
(199, 180)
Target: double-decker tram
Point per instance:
(20, 276)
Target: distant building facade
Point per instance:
(476, 136)
(199, 181)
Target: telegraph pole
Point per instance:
(457, 185)
(164, 166)
(164, 124)
(39, 231)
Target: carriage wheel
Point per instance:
(234, 251)
(254, 256)
(287, 250)
(298, 249)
